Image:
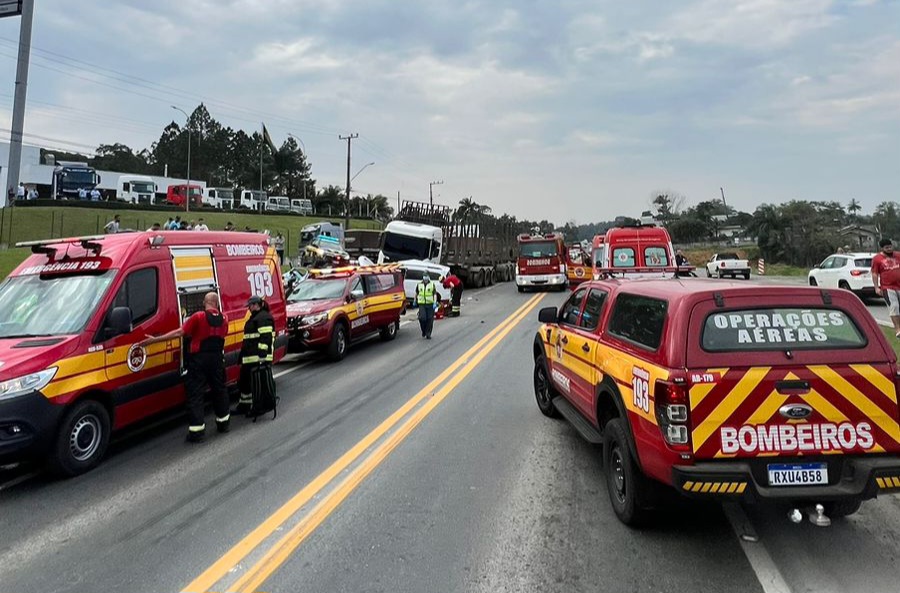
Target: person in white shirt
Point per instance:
(95, 195)
(33, 193)
(20, 192)
(82, 193)
(112, 227)
(201, 226)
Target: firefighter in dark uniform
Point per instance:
(257, 348)
(207, 330)
(456, 289)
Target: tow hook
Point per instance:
(816, 516)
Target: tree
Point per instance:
(667, 204)
(853, 208)
(119, 157)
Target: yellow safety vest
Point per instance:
(425, 293)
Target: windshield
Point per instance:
(142, 187)
(538, 249)
(79, 178)
(727, 256)
(225, 194)
(196, 191)
(399, 247)
(34, 306)
(318, 290)
(599, 256)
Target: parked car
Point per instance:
(850, 271)
(721, 265)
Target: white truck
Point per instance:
(303, 207)
(278, 204)
(729, 264)
(253, 199)
(218, 197)
(136, 189)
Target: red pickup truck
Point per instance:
(725, 391)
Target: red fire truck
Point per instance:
(541, 262)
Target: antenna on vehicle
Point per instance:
(720, 300)
(826, 297)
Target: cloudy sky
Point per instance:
(565, 110)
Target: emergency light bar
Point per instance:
(644, 270)
(41, 246)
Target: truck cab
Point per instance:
(301, 206)
(218, 197)
(70, 177)
(402, 240)
(541, 262)
(176, 195)
(136, 189)
(253, 199)
(278, 204)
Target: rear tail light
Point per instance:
(857, 272)
(722, 265)
(673, 413)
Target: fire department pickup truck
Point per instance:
(724, 391)
(335, 307)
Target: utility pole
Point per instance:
(431, 191)
(349, 139)
(18, 118)
(721, 189)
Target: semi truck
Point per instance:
(136, 189)
(478, 248)
(70, 177)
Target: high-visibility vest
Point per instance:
(425, 293)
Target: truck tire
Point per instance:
(337, 348)
(521, 288)
(708, 273)
(624, 482)
(389, 332)
(543, 389)
(719, 274)
(746, 275)
(82, 439)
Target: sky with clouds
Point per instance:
(565, 110)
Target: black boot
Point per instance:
(223, 425)
(196, 436)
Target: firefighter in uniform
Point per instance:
(425, 300)
(207, 330)
(456, 289)
(257, 348)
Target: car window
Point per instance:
(357, 285)
(753, 330)
(827, 263)
(656, 256)
(593, 307)
(863, 262)
(379, 282)
(623, 257)
(639, 319)
(139, 293)
(839, 262)
(569, 312)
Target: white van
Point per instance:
(136, 189)
(303, 207)
(415, 270)
(253, 199)
(278, 204)
(218, 197)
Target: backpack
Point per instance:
(262, 390)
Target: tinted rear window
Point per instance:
(639, 319)
(863, 262)
(727, 256)
(753, 330)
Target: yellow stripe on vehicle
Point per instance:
(877, 379)
(699, 392)
(728, 405)
(861, 402)
(191, 275)
(193, 261)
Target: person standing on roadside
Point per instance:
(112, 227)
(279, 247)
(886, 277)
(207, 330)
(257, 348)
(425, 291)
(455, 285)
(95, 195)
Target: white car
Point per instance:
(850, 271)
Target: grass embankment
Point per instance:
(699, 257)
(31, 224)
(891, 338)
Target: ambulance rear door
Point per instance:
(195, 275)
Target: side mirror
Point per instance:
(118, 323)
(356, 295)
(548, 315)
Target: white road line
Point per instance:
(766, 571)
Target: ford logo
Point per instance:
(795, 411)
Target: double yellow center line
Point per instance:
(437, 390)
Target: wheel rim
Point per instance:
(341, 341)
(392, 329)
(84, 440)
(542, 387)
(617, 474)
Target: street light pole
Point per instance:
(187, 124)
(17, 128)
(351, 181)
(349, 138)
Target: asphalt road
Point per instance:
(410, 466)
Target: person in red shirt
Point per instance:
(886, 276)
(207, 330)
(456, 289)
